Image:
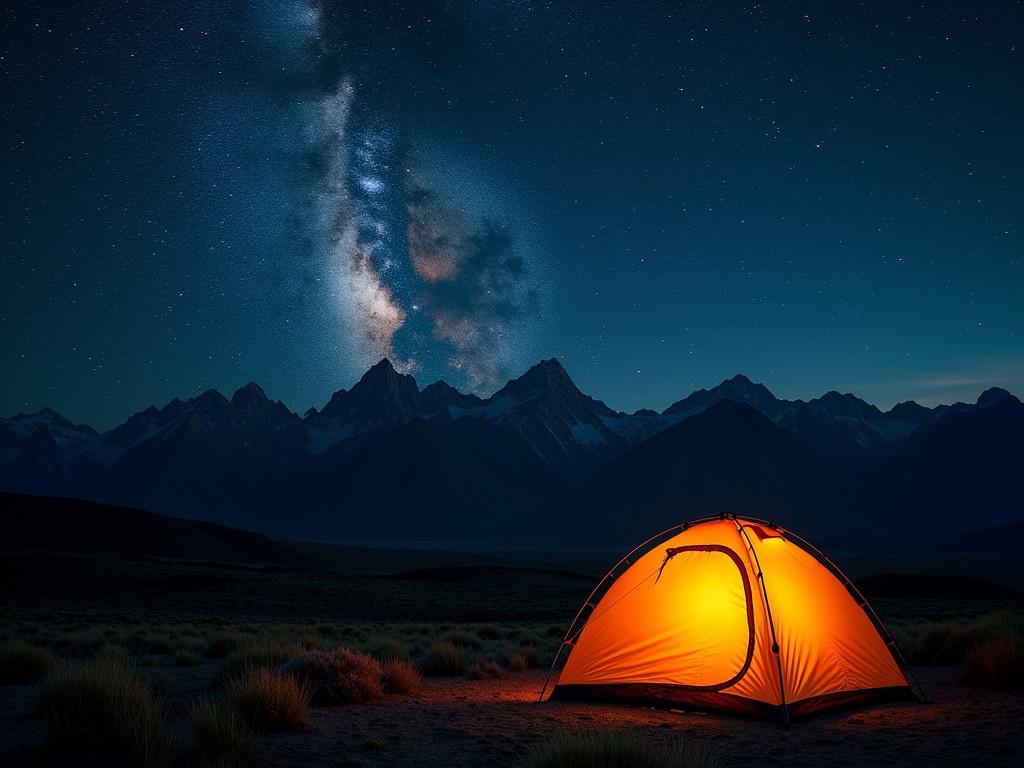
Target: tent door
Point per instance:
(716, 614)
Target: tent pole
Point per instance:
(771, 622)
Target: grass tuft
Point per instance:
(267, 700)
(101, 709)
(400, 676)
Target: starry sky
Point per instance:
(818, 195)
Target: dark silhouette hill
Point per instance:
(72, 525)
(729, 457)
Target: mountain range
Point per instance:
(538, 460)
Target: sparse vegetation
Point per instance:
(341, 676)
(445, 660)
(101, 709)
(21, 663)
(620, 749)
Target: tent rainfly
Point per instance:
(729, 614)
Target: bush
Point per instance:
(21, 663)
(221, 733)
(101, 709)
(517, 662)
(444, 660)
(341, 676)
(619, 749)
(400, 676)
(996, 663)
(266, 700)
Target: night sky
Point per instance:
(821, 196)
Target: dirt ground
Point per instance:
(457, 722)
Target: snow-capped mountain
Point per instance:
(385, 453)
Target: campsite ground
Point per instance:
(493, 606)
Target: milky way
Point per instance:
(203, 194)
(412, 274)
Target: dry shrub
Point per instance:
(221, 733)
(444, 660)
(400, 676)
(620, 749)
(996, 663)
(100, 709)
(267, 700)
(493, 669)
(517, 662)
(341, 676)
(21, 663)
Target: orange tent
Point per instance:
(729, 614)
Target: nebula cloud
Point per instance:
(367, 307)
(411, 275)
(474, 286)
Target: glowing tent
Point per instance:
(734, 615)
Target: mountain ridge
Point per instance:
(381, 453)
